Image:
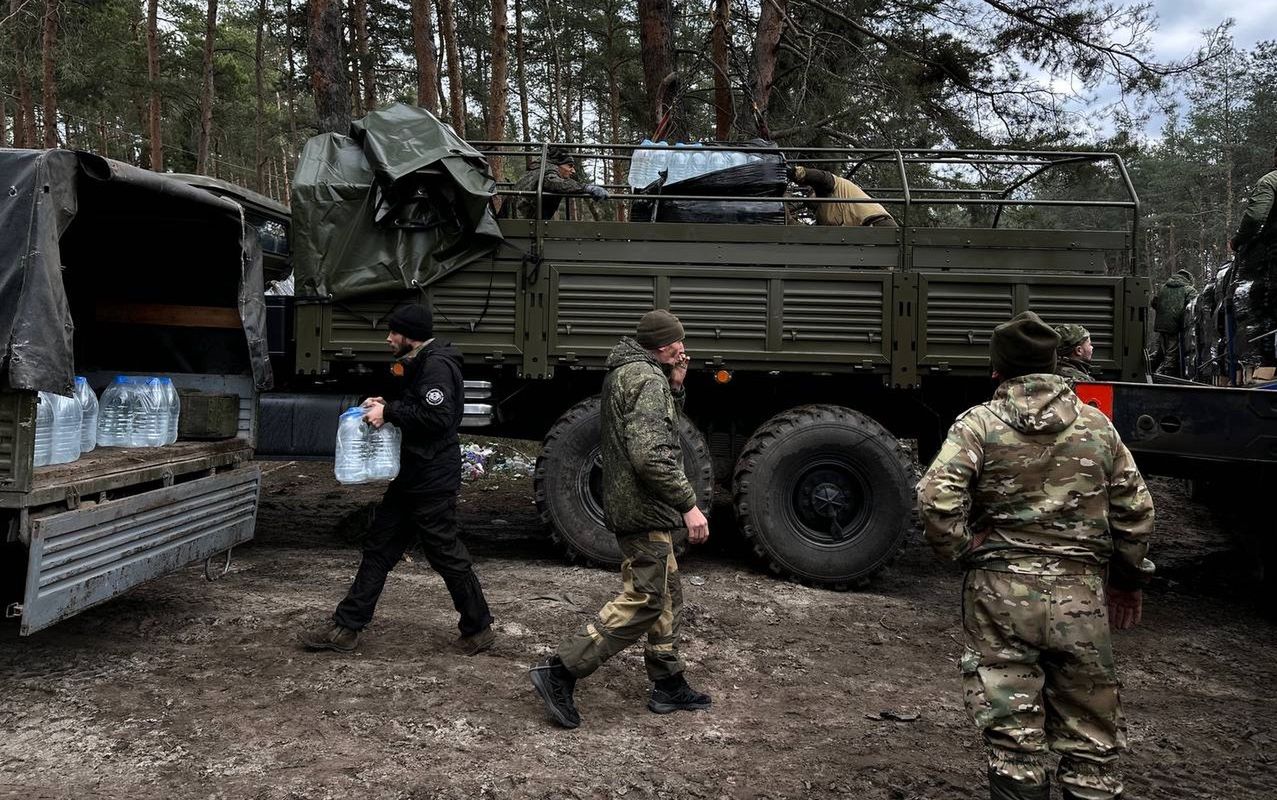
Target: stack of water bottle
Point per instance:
(681, 161)
(139, 412)
(365, 453)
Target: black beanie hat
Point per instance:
(1023, 346)
(657, 329)
(414, 321)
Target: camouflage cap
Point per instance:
(1071, 335)
(557, 155)
(1023, 346)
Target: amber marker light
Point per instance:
(722, 376)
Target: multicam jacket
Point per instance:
(644, 487)
(552, 186)
(1045, 479)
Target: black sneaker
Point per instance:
(678, 697)
(555, 686)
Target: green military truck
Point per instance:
(815, 350)
(108, 270)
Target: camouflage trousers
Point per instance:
(650, 604)
(1038, 673)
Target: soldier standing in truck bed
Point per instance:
(558, 178)
(827, 184)
(1036, 494)
(1259, 209)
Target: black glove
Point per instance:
(790, 173)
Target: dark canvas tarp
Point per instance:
(38, 204)
(401, 200)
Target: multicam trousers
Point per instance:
(1038, 673)
(650, 604)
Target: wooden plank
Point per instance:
(174, 316)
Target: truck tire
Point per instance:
(568, 482)
(823, 495)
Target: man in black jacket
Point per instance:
(422, 500)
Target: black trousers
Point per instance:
(398, 520)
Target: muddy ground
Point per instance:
(184, 688)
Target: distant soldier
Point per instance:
(557, 177)
(646, 498)
(1259, 208)
(827, 184)
(1168, 322)
(1036, 495)
(1073, 361)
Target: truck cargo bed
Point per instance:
(112, 468)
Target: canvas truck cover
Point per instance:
(400, 201)
(39, 191)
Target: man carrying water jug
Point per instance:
(422, 500)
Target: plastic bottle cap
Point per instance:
(121, 379)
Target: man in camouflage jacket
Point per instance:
(1036, 494)
(647, 499)
(1073, 361)
(557, 178)
(1259, 210)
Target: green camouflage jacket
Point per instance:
(1258, 208)
(1073, 369)
(552, 187)
(1045, 479)
(644, 487)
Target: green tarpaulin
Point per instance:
(401, 200)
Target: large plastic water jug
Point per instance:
(61, 429)
(115, 414)
(43, 430)
(174, 404)
(150, 413)
(381, 452)
(88, 414)
(349, 463)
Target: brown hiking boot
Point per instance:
(330, 636)
(476, 643)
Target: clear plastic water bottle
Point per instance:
(43, 430)
(67, 418)
(115, 415)
(88, 415)
(641, 165)
(678, 164)
(150, 413)
(349, 463)
(174, 404)
(382, 453)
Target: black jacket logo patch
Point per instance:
(434, 397)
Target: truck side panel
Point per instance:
(17, 432)
(83, 557)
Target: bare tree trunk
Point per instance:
(292, 76)
(328, 80)
(499, 91)
(558, 94)
(363, 58)
(423, 45)
(24, 132)
(106, 143)
(523, 78)
(154, 130)
(721, 16)
(206, 94)
(49, 100)
(771, 21)
(456, 91)
(259, 154)
(656, 40)
(620, 171)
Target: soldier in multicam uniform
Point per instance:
(646, 497)
(1035, 493)
(557, 179)
(1073, 360)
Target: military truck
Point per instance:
(107, 270)
(815, 350)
